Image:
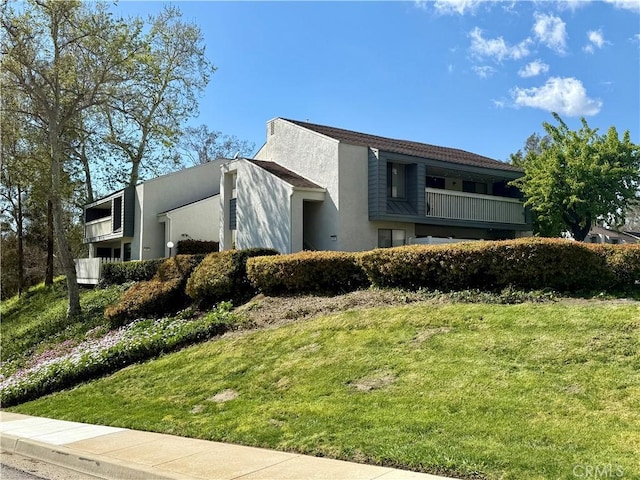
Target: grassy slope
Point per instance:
(37, 321)
(524, 391)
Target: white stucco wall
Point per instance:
(165, 193)
(263, 208)
(356, 232)
(195, 221)
(314, 157)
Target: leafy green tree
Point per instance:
(63, 58)
(144, 120)
(578, 177)
(544, 225)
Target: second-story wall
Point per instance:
(315, 157)
(165, 193)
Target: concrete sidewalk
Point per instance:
(118, 453)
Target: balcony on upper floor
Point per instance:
(98, 228)
(474, 207)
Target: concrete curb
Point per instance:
(122, 454)
(92, 464)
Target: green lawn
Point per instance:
(36, 322)
(476, 391)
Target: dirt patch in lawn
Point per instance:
(224, 396)
(263, 311)
(426, 334)
(266, 312)
(375, 381)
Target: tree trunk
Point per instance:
(19, 226)
(66, 259)
(48, 277)
(133, 176)
(87, 174)
(580, 232)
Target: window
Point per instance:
(117, 214)
(474, 187)
(395, 180)
(127, 252)
(390, 238)
(435, 182)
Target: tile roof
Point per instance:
(288, 176)
(407, 147)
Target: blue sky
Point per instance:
(476, 75)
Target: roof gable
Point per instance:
(407, 147)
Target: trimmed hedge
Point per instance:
(307, 272)
(623, 263)
(532, 263)
(223, 276)
(134, 271)
(196, 247)
(442, 267)
(161, 295)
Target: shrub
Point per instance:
(163, 294)
(623, 264)
(307, 272)
(445, 267)
(531, 263)
(123, 272)
(223, 276)
(195, 247)
(562, 265)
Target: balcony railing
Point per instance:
(89, 270)
(98, 228)
(472, 206)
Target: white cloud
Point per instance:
(566, 96)
(633, 5)
(534, 68)
(497, 48)
(450, 7)
(570, 4)
(596, 39)
(484, 71)
(551, 31)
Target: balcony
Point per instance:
(98, 228)
(455, 205)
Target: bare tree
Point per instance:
(200, 145)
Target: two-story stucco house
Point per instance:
(324, 188)
(314, 187)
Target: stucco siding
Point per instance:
(315, 157)
(263, 209)
(354, 233)
(197, 221)
(166, 193)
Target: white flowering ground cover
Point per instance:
(66, 365)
